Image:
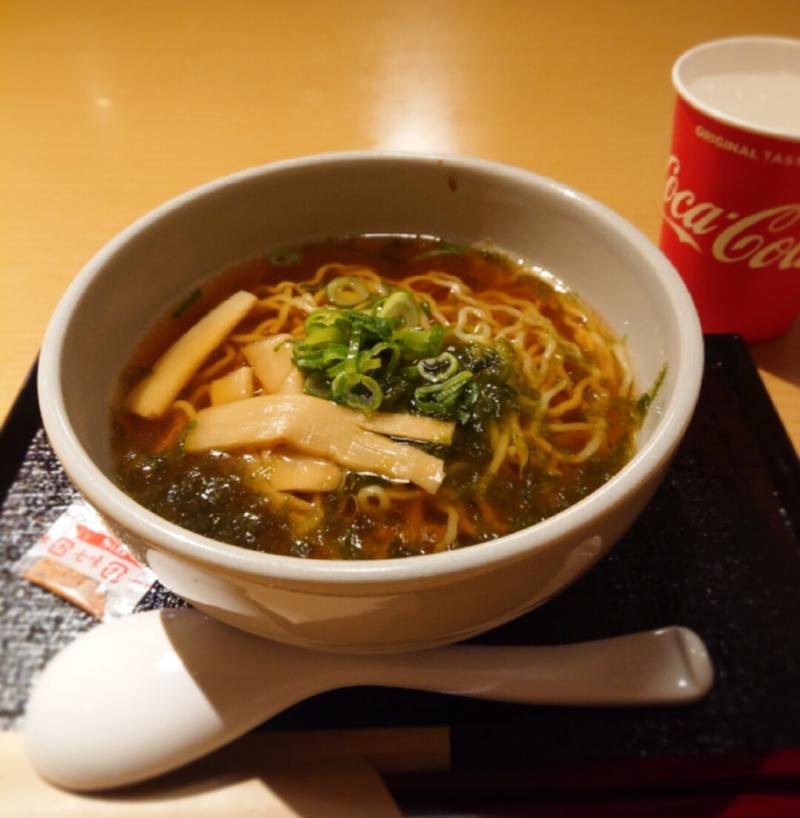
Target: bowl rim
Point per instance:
(112, 502)
(684, 63)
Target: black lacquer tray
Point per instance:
(717, 550)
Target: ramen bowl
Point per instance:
(378, 605)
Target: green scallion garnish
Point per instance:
(438, 369)
(443, 248)
(193, 296)
(360, 357)
(347, 291)
(357, 391)
(285, 258)
(441, 398)
(401, 305)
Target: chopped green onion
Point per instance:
(645, 401)
(440, 368)
(357, 391)
(334, 352)
(192, 297)
(323, 318)
(369, 324)
(354, 347)
(422, 343)
(444, 248)
(309, 357)
(467, 400)
(325, 335)
(371, 359)
(403, 306)
(440, 398)
(285, 258)
(316, 384)
(352, 356)
(347, 291)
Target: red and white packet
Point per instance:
(79, 559)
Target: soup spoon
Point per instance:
(142, 695)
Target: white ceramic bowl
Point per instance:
(395, 604)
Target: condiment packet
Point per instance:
(79, 559)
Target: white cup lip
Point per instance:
(646, 463)
(680, 66)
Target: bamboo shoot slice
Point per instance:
(257, 422)
(153, 395)
(292, 384)
(301, 473)
(271, 360)
(410, 427)
(236, 385)
(244, 431)
(316, 427)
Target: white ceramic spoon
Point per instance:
(140, 696)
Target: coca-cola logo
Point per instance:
(758, 239)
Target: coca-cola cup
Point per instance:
(731, 222)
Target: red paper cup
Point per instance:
(731, 221)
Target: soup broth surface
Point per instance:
(487, 400)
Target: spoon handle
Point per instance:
(666, 666)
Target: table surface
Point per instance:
(111, 108)
(108, 109)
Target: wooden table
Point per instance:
(111, 108)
